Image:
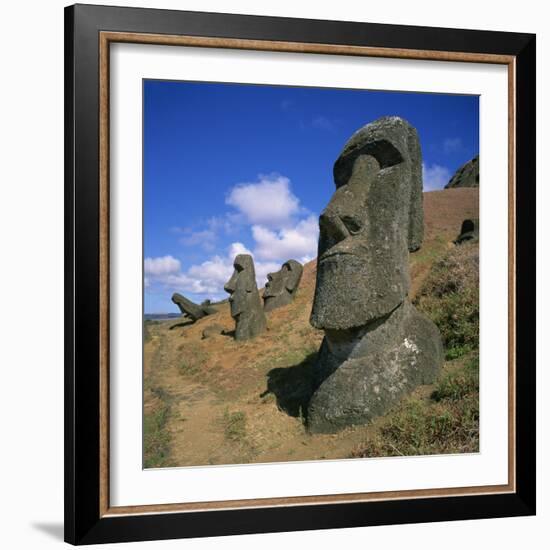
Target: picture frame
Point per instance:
(90, 31)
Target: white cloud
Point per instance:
(161, 266)
(273, 213)
(207, 278)
(452, 145)
(298, 242)
(237, 248)
(268, 202)
(435, 177)
(205, 238)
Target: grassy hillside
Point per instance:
(217, 401)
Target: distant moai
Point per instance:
(245, 301)
(190, 309)
(469, 231)
(377, 346)
(282, 285)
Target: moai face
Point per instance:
(242, 285)
(371, 222)
(187, 307)
(275, 283)
(281, 285)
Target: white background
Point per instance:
(130, 484)
(31, 218)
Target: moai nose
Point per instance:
(332, 228)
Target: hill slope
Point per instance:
(217, 401)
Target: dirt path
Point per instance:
(224, 410)
(218, 401)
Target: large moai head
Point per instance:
(372, 221)
(244, 300)
(282, 285)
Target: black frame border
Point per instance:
(83, 524)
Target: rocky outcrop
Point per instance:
(466, 176)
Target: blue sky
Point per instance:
(231, 168)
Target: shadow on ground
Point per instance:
(181, 324)
(292, 386)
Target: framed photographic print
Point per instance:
(299, 274)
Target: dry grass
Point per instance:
(237, 402)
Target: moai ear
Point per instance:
(416, 210)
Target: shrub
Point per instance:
(450, 297)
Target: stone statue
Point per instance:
(469, 231)
(377, 346)
(281, 286)
(190, 309)
(245, 301)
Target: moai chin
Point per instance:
(377, 346)
(245, 301)
(282, 285)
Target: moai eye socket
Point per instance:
(353, 225)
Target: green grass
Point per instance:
(446, 422)
(459, 384)
(147, 330)
(234, 425)
(450, 297)
(156, 440)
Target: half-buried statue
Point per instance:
(282, 285)
(245, 301)
(377, 346)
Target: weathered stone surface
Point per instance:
(363, 372)
(469, 231)
(245, 301)
(466, 176)
(190, 309)
(212, 330)
(371, 222)
(377, 346)
(281, 286)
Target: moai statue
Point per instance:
(281, 286)
(245, 301)
(469, 231)
(377, 346)
(190, 309)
